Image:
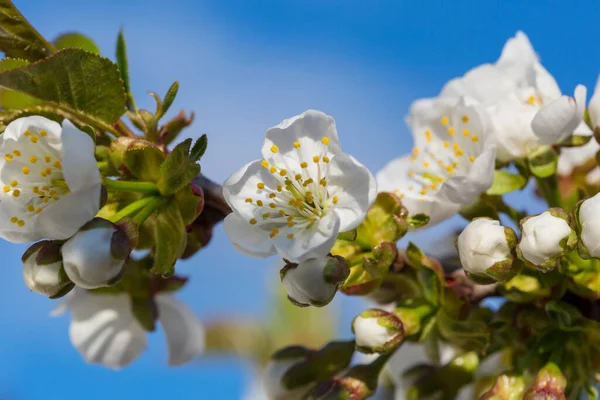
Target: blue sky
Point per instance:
(243, 66)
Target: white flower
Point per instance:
(105, 331)
(43, 269)
(273, 374)
(557, 120)
(377, 331)
(545, 237)
(315, 281)
(96, 255)
(594, 106)
(305, 190)
(451, 164)
(486, 248)
(587, 216)
(49, 178)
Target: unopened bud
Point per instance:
(377, 331)
(545, 238)
(506, 387)
(549, 384)
(43, 270)
(587, 215)
(314, 282)
(486, 250)
(96, 255)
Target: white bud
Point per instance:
(95, 256)
(545, 237)
(486, 249)
(274, 373)
(43, 270)
(587, 216)
(377, 331)
(315, 281)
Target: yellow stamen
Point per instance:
(325, 159)
(8, 157)
(466, 133)
(14, 183)
(43, 133)
(264, 164)
(16, 193)
(30, 208)
(451, 131)
(248, 200)
(465, 119)
(253, 221)
(33, 159)
(296, 145)
(471, 158)
(272, 195)
(475, 138)
(6, 189)
(290, 236)
(260, 185)
(27, 133)
(274, 149)
(259, 203)
(316, 159)
(283, 172)
(304, 164)
(273, 169)
(21, 223)
(325, 141)
(26, 170)
(17, 153)
(47, 159)
(34, 139)
(445, 121)
(14, 220)
(335, 199)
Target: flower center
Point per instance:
(450, 148)
(32, 174)
(301, 195)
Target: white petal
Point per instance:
(394, 178)
(308, 128)
(78, 162)
(184, 333)
(545, 83)
(63, 218)
(571, 157)
(355, 188)
(559, 119)
(105, 331)
(310, 243)
(517, 57)
(487, 84)
(247, 239)
(244, 184)
(594, 106)
(511, 120)
(12, 232)
(465, 189)
(17, 128)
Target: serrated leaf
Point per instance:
(506, 182)
(73, 80)
(177, 170)
(170, 239)
(144, 162)
(168, 100)
(9, 99)
(188, 204)
(18, 38)
(74, 40)
(199, 148)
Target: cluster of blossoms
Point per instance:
(336, 227)
(112, 210)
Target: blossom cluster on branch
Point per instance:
(111, 205)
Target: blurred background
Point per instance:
(243, 66)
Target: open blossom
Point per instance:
(305, 190)
(105, 331)
(451, 164)
(512, 91)
(486, 249)
(545, 237)
(49, 178)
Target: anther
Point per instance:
(296, 145)
(253, 221)
(260, 185)
(264, 164)
(316, 159)
(325, 141)
(304, 164)
(26, 170)
(274, 149)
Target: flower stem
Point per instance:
(147, 211)
(130, 186)
(548, 187)
(132, 208)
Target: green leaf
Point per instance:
(188, 204)
(75, 40)
(576, 141)
(144, 162)
(467, 334)
(177, 170)
(199, 148)
(9, 99)
(18, 38)
(506, 182)
(73, 80)
(169, 232)
(563, 314)
(418, 220)
(168, 100)
(123, 66)
(543, 162)
(431, 285)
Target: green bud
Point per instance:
(506, 387)
(549, 384)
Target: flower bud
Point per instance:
(486, 250)
(545, 237)
(587, 217)
(314, 282)
(506, 387)
(549, 384)
(43, 270)
(594, 107)
(377, 331)
(95, 256)
(281, 362)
